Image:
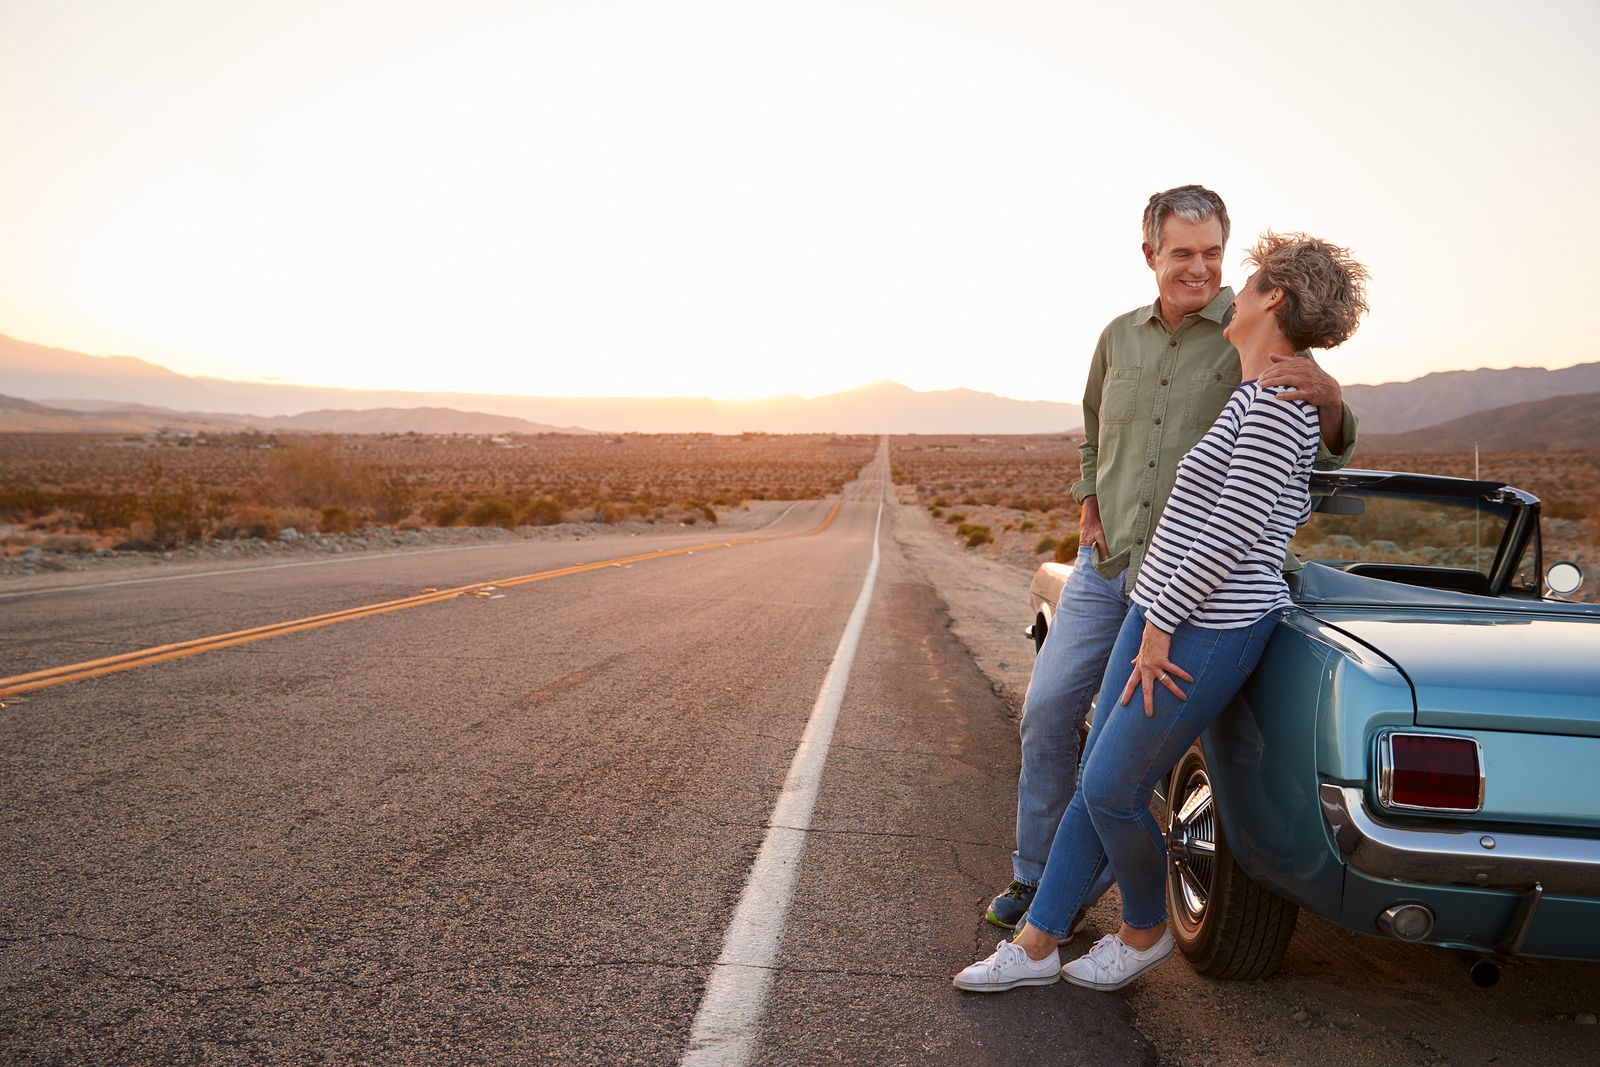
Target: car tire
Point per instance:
(1227, 925)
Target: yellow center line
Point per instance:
(75, 672)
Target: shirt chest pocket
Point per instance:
(1119, 396)
(1206, 394)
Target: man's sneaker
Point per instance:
(1007, 909)
(1111, 964)
(1008, 968)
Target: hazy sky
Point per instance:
(748, 198)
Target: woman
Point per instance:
(1207, 598)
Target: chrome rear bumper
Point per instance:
(1565, 866)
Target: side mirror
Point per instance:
(1563, 578)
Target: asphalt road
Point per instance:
(508, 828)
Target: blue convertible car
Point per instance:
(1417, 755)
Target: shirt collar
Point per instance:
(1216, 311)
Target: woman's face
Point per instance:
(1251, 310)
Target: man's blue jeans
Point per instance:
(1066, 676)
(1108, 822)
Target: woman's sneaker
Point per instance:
(1008, 968)
(1112, 964)
(1007, 909)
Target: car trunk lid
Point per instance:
(1490, 670)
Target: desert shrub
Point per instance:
(336, 520)
(955, 518)
(542, 512)
(110, 511)
(1067, 550)
(173, 505)
(393, 499)
(301, 520)
(705, 509)
(248, 520)
(936, 512)
(493, 511)
(447, 512)
(1043, 545)
(607, 513)
(77, 543)
(312, 474)
(974, 534)
(1026, 525)
(1555, 507)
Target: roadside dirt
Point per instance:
(1340, 997)
(38, 567)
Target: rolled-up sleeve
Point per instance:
(1328, 460)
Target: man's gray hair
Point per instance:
(1192, 203)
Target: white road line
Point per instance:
(725, 1027)
(247, 569)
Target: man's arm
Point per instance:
(1307, 381)
(1091, 531)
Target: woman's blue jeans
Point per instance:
(1109, 820)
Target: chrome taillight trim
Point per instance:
(1386, 772)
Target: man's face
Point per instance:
(1189, 266)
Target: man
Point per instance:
(1159, 378)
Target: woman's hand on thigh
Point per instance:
(1151, 667)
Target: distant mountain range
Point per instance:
(1520, 407)
(107, 416)
(71, 380)
(1447, 395)
(1550, 424)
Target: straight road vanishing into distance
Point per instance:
(515, 824)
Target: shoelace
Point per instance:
(1106, 956)
(1003, 955)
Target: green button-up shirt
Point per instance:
(1152, 394)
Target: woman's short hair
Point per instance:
(1191, 203)
(1324, 289)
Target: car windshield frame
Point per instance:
(1517, 519)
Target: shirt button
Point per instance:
(1138, 540)
(1144, 503)
(1163, 381)
(1158, 422)
(1152, 463)
(1219, 377)
(1172, 343)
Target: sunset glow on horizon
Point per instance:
(743, 200)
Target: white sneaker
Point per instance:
(1008, 968)
(1111, 964)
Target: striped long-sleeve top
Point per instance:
(1217, 555)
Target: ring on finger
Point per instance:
(1161, 677)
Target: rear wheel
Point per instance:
(1228, 926)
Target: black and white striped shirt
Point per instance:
(1217, 555)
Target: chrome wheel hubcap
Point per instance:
(1192, 844)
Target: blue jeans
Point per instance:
(1108, 822)
(1066, 676)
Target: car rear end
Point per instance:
(1472, 819)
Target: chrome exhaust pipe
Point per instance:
(1483, 970)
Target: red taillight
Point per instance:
(1431, 771)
